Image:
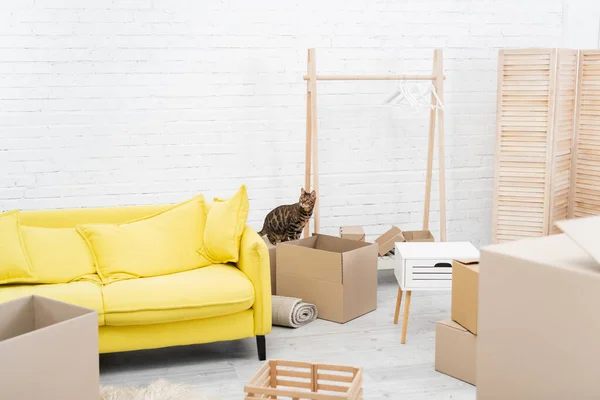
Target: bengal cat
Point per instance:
(287, 222)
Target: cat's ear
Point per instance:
(313, 195)
(303, 192)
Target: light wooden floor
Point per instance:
(392, 370)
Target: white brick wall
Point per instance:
(150, 101)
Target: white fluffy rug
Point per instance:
(159, 390)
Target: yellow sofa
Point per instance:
(213, 303)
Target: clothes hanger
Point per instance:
(415, 96)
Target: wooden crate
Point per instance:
(278, 379)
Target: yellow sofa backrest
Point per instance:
(70, 218)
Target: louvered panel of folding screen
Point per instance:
(564, 116)
(586, 191)
(526, 84)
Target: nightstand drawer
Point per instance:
(432, 273)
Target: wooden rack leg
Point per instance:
(439, 85)
(430, 146)
(308, 155)
(398, 303)
(405, 321)
(315, 139)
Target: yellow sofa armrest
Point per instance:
(254, 262)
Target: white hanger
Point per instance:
(415, 96)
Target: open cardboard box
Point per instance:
(48, 350)
(418, 236)
(538, 325)
(338, 275)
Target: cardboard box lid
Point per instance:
(386, 241)
(585, 233)
(389, 234)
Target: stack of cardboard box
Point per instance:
(456, 339)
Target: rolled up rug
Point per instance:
(292, 312)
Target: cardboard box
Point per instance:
(455, 351)
(273, 262)
(386, 241)
(538, 328)
(338, 275)
(49, 350)
(418, 236)
(465, 293)
(353, 233)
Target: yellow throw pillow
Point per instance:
(58, 255)
(14, 265)
(159, 244)
(225, 223)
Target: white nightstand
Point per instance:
(426, 266)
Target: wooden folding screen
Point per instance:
(548, 140)
(536, 98)
(585, 193)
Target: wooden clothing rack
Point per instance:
(435, 116)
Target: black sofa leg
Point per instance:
(262, 348)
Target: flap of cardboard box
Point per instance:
(387, 235)
(451, 324)
(584, 232)
(387, 239)
(468, 261)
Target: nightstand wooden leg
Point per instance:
(405, 322)
(398, 302)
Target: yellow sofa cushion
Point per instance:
(58, 255)
(14, 265)
(225, 223)
(84, 294)
(159, 244)
(200, 293)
